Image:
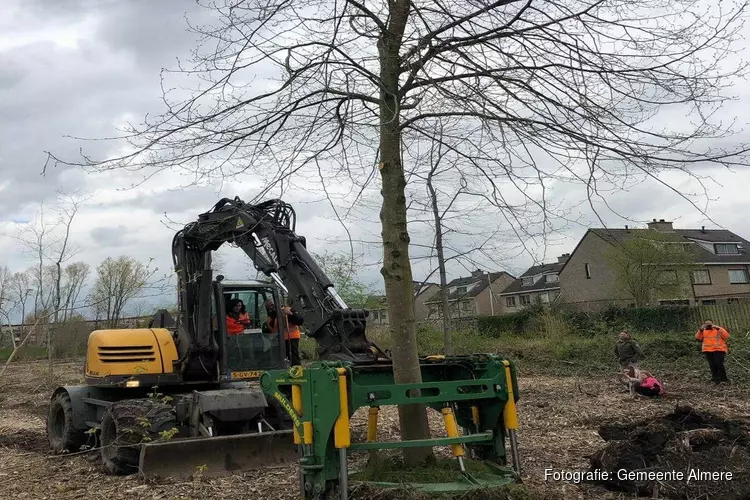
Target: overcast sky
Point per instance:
(82, 68)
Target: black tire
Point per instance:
(62, 436)
(127, 424)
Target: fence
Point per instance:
(734, 317)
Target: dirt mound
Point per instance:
(685, 454)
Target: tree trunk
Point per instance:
(396, 265)
(23, 323)
(447, 340)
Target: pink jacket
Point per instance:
(651, 382)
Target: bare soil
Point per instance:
(563, 425)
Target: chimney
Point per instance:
(703, 229)
(627, 228)
(661, 225)
(563, 258)
(477, 273)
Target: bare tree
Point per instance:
(19, 291)
(553, 91)
(139, 308)
(455, 196)
(63, 253)
(6, 303)
(118, 281)
(75, 276)
(48, 240)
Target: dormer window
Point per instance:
(726, 248)
(527, 281)
(552, 278)
(461, 289)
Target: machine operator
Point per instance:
(292, 334)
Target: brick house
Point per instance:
(721, 272)
(475, 295)
(539, 283)
(422, 292)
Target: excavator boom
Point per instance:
(266, 233)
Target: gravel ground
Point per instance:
(559, 419)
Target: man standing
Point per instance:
(714, 348)
(291, 334)
(628, 351)
(628, 354)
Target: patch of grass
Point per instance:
(25, 353)
(510, 492)
(392, 470)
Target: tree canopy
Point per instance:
(335, 94)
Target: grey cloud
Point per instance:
(111, 236)
(48, 91)
(150, 30)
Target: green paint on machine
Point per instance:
(475, 387)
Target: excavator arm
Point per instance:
(266, 233)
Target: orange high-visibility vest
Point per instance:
(293, 331)
(235, 326)
(714, 339)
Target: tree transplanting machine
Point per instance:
(184, 396)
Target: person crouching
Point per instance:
(644, 383)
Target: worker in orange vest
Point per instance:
(292, 333)
(237, 317)
(714, 348)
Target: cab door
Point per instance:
(251, 351)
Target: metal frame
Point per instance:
(482, 389)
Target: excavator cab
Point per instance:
(244, 356)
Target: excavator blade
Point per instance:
(218, 456)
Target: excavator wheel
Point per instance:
(62, 435)
(127, 424)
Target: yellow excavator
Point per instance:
(182, 395)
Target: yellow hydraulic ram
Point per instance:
(297, 403)
(451, 428)
(341, 434)
(510, 418)
(372, 424)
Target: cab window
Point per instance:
(252, 349)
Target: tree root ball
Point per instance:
(685, 454)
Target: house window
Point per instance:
(702, 277)
(510, 301)
(588, 271)
(527, 281)
(668, 277)
(467, 305)
(708, 302)
(375, 315)
(737, 276)
(383, 316)
(725, 248)
(544, 297)
(525, 300)
(461, 289)
(733, 300)
(552, 278)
